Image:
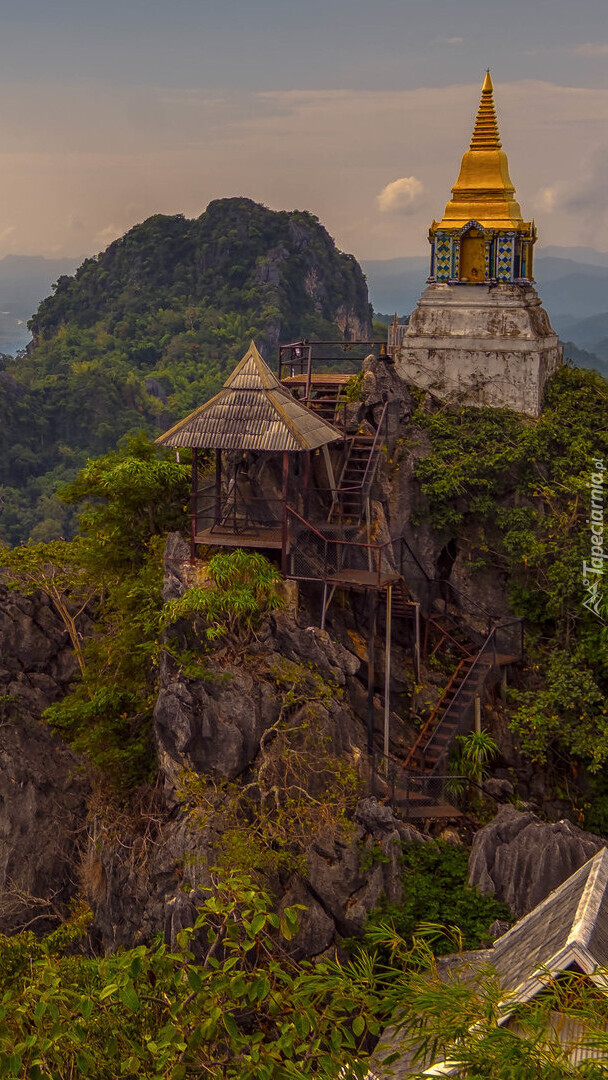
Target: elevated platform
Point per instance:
(362, 579)
(318, 380)
(225, 536)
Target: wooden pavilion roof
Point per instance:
(252, 412)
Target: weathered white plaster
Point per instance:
(480, 345)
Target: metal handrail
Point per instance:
(334, 540)
(374, 445)
(437, 728)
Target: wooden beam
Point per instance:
(217, 513)
(194, 505)
(387, 675)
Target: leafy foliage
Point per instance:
(559, 1034)
(132, 497)
(227, 1002)
(244, 585)
(514, 494)
(435, 896)
(148, 330)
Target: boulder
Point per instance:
(520, 859)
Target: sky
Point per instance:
(357, 110)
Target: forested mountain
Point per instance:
(146, 331)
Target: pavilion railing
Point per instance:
(235, 510)
(346, 557)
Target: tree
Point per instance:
(227, 1003)
(58, 570)
(127, 497)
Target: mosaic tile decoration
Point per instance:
(504, 258)
(456, 261)
(443, 257)
(488, 251)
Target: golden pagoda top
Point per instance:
(483, 191)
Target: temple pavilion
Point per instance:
(479, 335)
(263, 441)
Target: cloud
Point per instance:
(454, 40)
(105, 236)
(591, 48)
(400, 196)
(546, 199)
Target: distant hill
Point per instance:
(147, 330)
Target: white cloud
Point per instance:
(400, 196)
(591, 48)
(546, 199)
(454, 40)
(105, 236)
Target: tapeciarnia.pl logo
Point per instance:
(594, 570)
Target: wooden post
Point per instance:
(218, 486)
(478, 715)
(193, 505)
(417, 642)
(371, 663)
(324, 605)
(284, 534)
(387, 675)
(503, 684)
(307, 457)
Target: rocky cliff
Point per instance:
(272, 735)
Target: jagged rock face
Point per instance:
(346, 879)
(42, 825)
(144, 886)
(42, 788)
(36, 662)
(520, 859)
(212, 728)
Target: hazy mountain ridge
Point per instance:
(573, 290)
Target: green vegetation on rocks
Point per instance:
(148, 330)
(514, 494)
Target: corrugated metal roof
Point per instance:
(569, 927)
(568, 930)
(252, 412)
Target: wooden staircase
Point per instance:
(357, 474)
(445, 721)
(420, 791)
(325, 392)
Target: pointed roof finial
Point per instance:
(485, 132)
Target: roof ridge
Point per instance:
(590, 902)
(549, 899)
(268, 380)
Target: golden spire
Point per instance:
(484, 191)
(485, 132)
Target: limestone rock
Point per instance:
(314, 646)
(42, 824)
(520, 859)
(212, 725)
